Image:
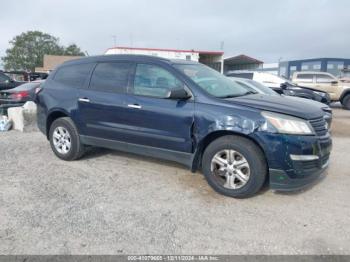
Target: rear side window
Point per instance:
(306, 78)
(110, 77)
(74, 75)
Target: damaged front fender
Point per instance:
(212, 122)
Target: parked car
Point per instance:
(7, 82)
(325, 82)
(344, 76)
(261, 89)
(283, 86)
(19, 95)
(254, 86)
(186, 112)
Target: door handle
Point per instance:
(136, 106)
(86, 100)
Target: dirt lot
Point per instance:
(115, 203)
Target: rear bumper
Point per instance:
(12, 104)
(5, 106)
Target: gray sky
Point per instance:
(265, 29)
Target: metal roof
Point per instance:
(124, 57)
(169, 50)
(241, 60)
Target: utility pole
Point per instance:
(222, 44)
(131, 40)
(114, 40)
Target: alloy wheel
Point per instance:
(61, 140)
(231, 169)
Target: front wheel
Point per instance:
(346, 101)
(234, 166)
(64, 139)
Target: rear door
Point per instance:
(154, 120)
(102, 106)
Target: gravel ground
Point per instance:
(116, 203)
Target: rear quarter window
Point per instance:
(74, 75)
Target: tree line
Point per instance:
(27, 50)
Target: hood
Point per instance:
(280, 104)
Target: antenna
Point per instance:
(222, 44)
(114, 40)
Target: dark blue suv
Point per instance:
(185, 112)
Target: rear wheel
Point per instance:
(64, 139)
(234, 166)
(346, 101)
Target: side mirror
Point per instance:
(179, 93)
(283, 85)
(334, 82)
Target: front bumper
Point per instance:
(295, 161)
(281, 181)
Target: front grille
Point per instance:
(320, 126)
(324, 159)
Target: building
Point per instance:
(241, 62)
(214, 59)
(330, 65)
(271, 68)
(50, 62)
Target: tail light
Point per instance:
(19, 95)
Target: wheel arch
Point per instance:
(52, 116)
(202, 145)
(344, 94)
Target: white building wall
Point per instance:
(193, 56)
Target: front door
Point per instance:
(327, 84)
(153, 119)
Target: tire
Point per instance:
(346, 101)
(244, 149)
(76, 148)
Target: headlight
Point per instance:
(320, 93)
(287, 124)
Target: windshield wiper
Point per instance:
(237, 95)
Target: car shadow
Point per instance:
(96, 152)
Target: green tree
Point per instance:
(28, 49)
(73, 49)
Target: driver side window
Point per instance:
(154, 81)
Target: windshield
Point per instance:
(264, 89)
(212, 81)
(257, 86)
